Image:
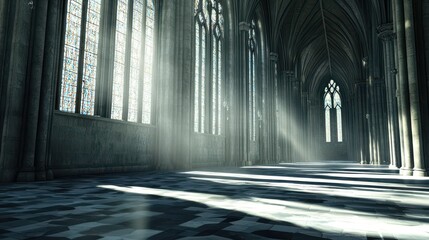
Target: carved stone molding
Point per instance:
(385, 32)
(244, 26)
(289, 73)
(274, 57)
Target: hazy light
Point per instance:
(325, 219)
(293, 135)
(401, 196)
(371, 176)
(265, 167)
(297, 179)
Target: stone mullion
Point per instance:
(103, 75)
(81, 66)
(142, 66)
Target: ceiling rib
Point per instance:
(326, 37)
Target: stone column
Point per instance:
(313, 127)
(413, 83)
(33, 89)
(386, 34)
(244, 28)
(304, 142)
(173, 115)
(362, 119)
(282, 123)
(407, 166)
(290, 115)
(295, 119)
(274, 106)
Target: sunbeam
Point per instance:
(327, 219)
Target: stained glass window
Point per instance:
(197, 79)
(91, 56)
(78, 82)
(148, 62)
(134, 41)
(200, 66)
(136, 59)
(252, 82)
(332, 100)
(217, 32)
(208, 66)
(120, 58)
(134, 52)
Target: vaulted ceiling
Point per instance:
(323, 39)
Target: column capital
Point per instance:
(274, 57)
(244, 26)
(289, 73)
(385, 32)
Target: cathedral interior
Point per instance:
(214, 119)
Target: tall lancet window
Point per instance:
(217, 62)
(252, 82)
(79, 68)
(133, 61)
(208, 77)
(332, 105)
(200, 65)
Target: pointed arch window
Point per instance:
(332, 105)
(208, 76)
(252, 82)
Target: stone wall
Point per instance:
(90, 145)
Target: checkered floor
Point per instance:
(286, 201)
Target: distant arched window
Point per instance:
(208, 77)
(332, 104)
(252, 81)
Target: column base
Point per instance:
(393, 167)
(41, 175)
(419, 173)
(49, 175)
(24, 176)
(44, 175)
(406, 172)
